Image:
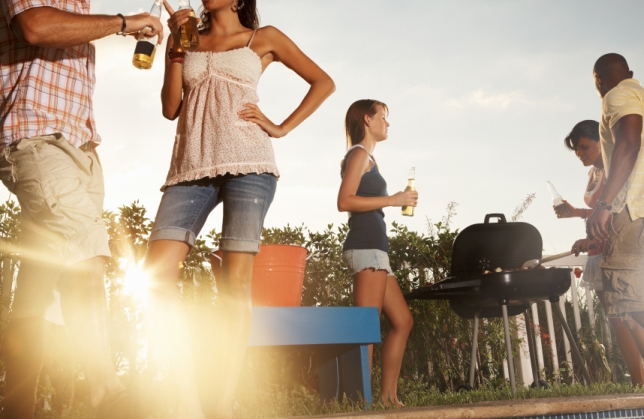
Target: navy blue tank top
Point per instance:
(367, 230)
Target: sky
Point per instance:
(481, 95)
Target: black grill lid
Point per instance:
(494, 244)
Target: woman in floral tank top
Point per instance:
(584, 141)
(222, 153)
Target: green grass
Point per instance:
(304, 403)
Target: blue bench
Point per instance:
(339, 335)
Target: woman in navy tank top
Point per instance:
(363, 193)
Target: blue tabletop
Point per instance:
(277, 326)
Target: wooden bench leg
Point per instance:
(345, 369)
(355, 376)
(328, 374)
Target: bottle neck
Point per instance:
(152, 40)
(156, 9)
(410, 183)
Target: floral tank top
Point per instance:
(594, 188)
(212, 140)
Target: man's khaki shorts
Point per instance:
(60, 191)
(623, 265)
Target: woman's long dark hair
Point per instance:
(587, 129)
(248, 16)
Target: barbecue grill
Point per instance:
(474, 294)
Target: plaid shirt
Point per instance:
(45, 90)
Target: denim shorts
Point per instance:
(185, 207)
(360, 259)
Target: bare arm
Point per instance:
(53, 28)
(570, 212)
(285, 50)
(357, 164)
(627, 133)
(172, 90)
(321, 84)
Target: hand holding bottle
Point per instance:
(183, 26)
(405, 199)
(147, 22)
(175, 21)
(408, 210)
(558, 203)
(565, 210)
(147, 41)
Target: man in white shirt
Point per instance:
(618, 216)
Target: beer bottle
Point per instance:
(189, 34)
(146, 47)
(408, 210)
(557, 200)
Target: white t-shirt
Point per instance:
(627, 98)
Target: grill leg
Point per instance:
(532, 348)
(475, 342)
(554, 301)
(508, 344)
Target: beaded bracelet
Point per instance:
(176, 56)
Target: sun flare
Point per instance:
(136, 281)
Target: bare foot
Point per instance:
(395, 404)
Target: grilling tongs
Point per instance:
(533, 263)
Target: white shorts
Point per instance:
(360, 259)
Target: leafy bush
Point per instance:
(436, 360)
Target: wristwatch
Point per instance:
(603, 205)
(123, 25)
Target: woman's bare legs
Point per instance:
(369, 291)
(393, 348)
(168, 323)
(377, 289)
(234, 289)
(630, 337)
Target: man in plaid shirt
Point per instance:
(48, 160)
